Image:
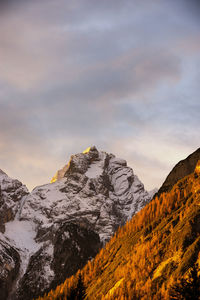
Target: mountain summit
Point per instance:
(78, 162)
(95, 189)
(59, 226)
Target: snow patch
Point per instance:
(23, 234)
(94, 170)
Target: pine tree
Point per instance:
(79, 292)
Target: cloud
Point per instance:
(81, 36)
(152, 154)
(119, 74)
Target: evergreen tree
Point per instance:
(79, 292)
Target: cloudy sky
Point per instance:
(123, 75)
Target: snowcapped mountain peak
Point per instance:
(77, 163)
(82, 207)
(95, 189)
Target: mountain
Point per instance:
(95, 189)
(59, 226)
(153, 254)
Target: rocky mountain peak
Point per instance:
(95, 188)
(88, 199)
(182, 169)
(78, 163)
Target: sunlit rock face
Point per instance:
(80, 165)
(59, 226)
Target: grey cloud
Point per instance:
(75, 73)
(6, 4)
(44, 49)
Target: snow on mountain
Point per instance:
(97, 189)
(60, 225)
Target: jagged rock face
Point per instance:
(59, 259)
(182, 169)
(11, 192)
(72, 238)
(97, 190)
(9, 268)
